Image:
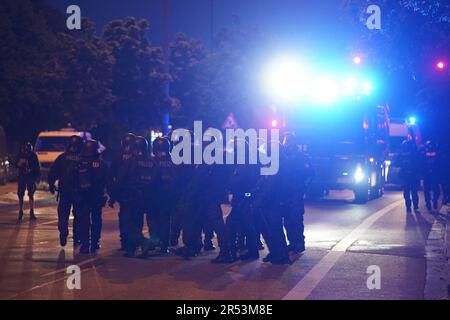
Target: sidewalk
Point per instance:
(445, 213)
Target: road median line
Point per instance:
(310, 281)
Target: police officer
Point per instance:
(431, 175)
(64, 170)
(92, 175)
(191, 211)
(243, 216)
(269, 206)
(409, 164)
(27, 165)
(293, 176)
(118, 185)
(160, 217)
(141, 175)
(216, 192)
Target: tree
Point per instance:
(87, 63)
(210, 85)
(414, 35)
(138, 76)
(29, 73)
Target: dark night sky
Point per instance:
(314, 23)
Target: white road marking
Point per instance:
(310, 281)
(42, 285)
(64, 269)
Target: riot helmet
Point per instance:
(90, 149)
(141, 145)
(75, 144)
(161, 145)
(128, 142)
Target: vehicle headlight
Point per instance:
(6, 163)
(359, 175)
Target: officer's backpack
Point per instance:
(85, 176)
(70, 170)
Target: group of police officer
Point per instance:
(186, 200)
(180, 201)
(429, 164)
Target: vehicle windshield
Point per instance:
(331, 133)
(51, 144)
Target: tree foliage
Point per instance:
(414, 36)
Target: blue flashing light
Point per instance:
(412, 120)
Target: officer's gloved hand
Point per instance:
(51, 188)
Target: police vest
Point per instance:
(86, 174)
(144, 171)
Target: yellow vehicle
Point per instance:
(50, 144)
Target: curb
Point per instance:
(445, 212)
(437, 254)
(437, 258)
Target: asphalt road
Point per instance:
(343, 240)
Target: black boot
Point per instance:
(209, 246)
(250, 256)
(84, 249)
(95, 246)
(268, 258)
(224, 258)
(297, 248)
(62, 240)
(20, 217)
(186, 252)
(281, 260)
(32, 215)
(146, 246)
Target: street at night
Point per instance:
(343, 239)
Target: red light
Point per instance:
(357, 60)
(440, 65)
(274, 123)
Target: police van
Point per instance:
(50, 144)
(347, 145)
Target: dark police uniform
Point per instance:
(409, 163)
(295, 171)
(92, 175)
(243, 218)
(192, 213)
(64, 170)
(268, 205)
(138, 181)
(163, 206)
(119, 189)
(431, 175)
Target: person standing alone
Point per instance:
(27, 165)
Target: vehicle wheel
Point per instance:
(361, 195)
